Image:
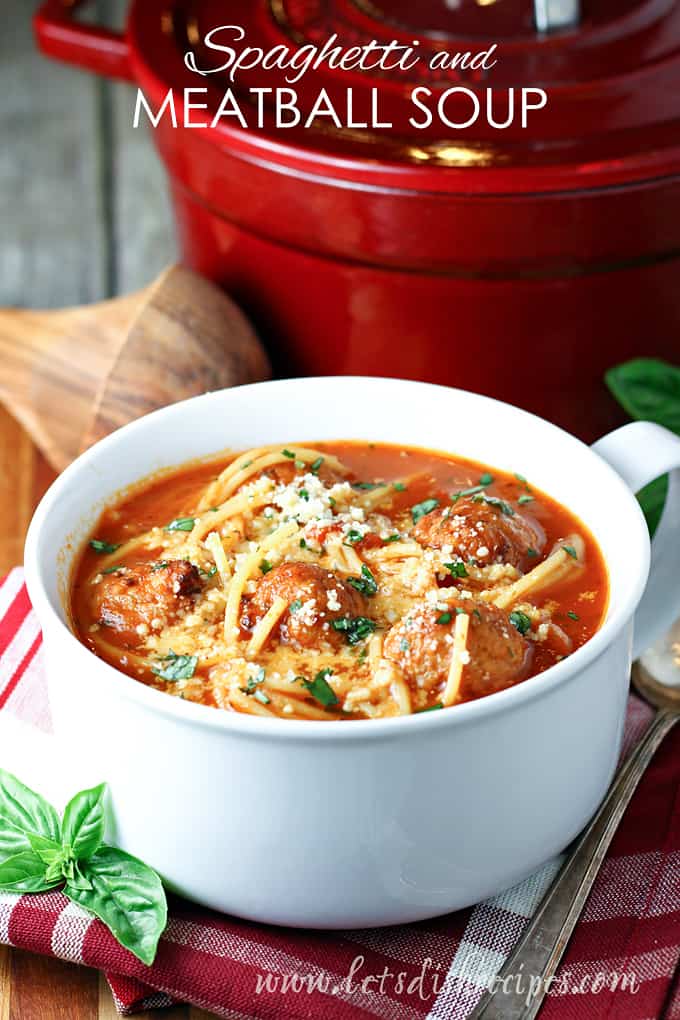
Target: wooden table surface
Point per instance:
(84, 216)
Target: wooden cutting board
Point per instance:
(35, 987)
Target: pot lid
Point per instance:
(610, 70)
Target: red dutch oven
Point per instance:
(517, 262)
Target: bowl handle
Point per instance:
(641, 452)
(95, 49)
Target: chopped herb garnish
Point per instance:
(444, 619)
(263, 698)
(181, 524)
(525, 499)
(320, 689)
(399, 487)
(392, 538)
(521, 478)
(295, 606)
(404, 644)
(179, 667)
(353, 536)
(332, 502)
(421, 510)
(570, 551)
(314, 468)
(368, 486)
(494, 501)
(289, 454)
(113, 570)
(473, 491)
(160, 566)
(303, 494)
(362, 654)
(103, 547)
(430, 708)
(476, 612)
(303, 544)
(366, 584)
(265, 566)
(457, 569)
(531, 552)
(252, 687)
(246, 463)
(355, 628)
(486, 479)
(521, 621)
(463, 612)
(207, 574)
(572, 615)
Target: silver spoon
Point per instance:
(656, 677)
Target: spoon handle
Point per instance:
(521, 984)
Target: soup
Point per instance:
(345, 581)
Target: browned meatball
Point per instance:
(481, 532)
(287, 471)
(136, 599)
(422, 647)
(315, 598)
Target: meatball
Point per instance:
(136, 598)
(421, 644)
(481, 532)
(287, 471)
(315, 598)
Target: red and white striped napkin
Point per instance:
(620, 964)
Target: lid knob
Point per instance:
(551, 15)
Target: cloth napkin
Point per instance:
(620, 964)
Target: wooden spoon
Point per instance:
(71, 377)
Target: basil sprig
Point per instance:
(40, 852)
(649, 390)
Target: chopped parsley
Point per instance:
(181, 524)
(103, 547)
(572, 615)
(521, 478)
(521, 621)
(320, 689)
(113, 570)
(430, 708)
(457, 569)
(295, 606)
(486, 479)
(392, 538)
(252, 688)
(368, 486)
(525, 499)
(473, 491)
(263, 698)
(178, 667)
(207, 574)
(494, 501)
(399, 487)
(421, 510)
(303, 544)
(570, 551)
(265, 566)
(531, 552)
(246, 464)
(303, 493)
(444, 619)
(355, 628)
(404, 645)
(163, 565)
(463, 612)
(314, 468)
(366, 584)
(289, 454)
(353, 536)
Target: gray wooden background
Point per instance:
(84, 213)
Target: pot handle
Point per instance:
(641, 452)
(92, 48)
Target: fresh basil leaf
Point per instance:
(47, 850)
(181, 524)
(103, 547)
(366, 584)
(521, 621)
(355, 628)
(648, 389)
(79, 881)
(421, 510)
(320, 689)
(653, 500)
(25, 873)
(179, 667)
(23, 812)
(82, 827)
(127, 896)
